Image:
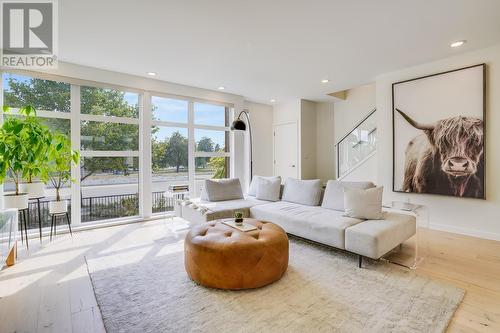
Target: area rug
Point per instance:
(322, 291)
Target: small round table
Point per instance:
(219, 256)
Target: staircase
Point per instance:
(357, 147)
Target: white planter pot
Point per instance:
(16, 201)
(58, 207)
(34, 190)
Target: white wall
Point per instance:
(287, 112)
(359, 102)
(325, 141)
(366, 171)
(303, 113)
(308, 140)
(261, 116)
(468, 216)
(315, 122)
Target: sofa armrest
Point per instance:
(374, 238)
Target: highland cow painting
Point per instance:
(439, 133)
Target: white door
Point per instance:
(285, 150)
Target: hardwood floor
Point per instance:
(49, 290)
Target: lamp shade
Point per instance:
(239, 125)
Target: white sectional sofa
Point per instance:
(324, 222)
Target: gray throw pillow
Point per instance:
(363, 204)
(305, 192)
(269, 189)
(334, 193)
(223, 189)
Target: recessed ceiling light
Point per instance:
(325, 81)
(221, 88)
(458, 43)
(151, 73)
(272, 100)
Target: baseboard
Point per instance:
(465, 231)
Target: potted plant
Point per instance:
(15, 153)
(35, 171)
(59, 169)
(238, 218)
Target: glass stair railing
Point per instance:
(357, 146)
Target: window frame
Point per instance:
(145, 123)
(191, 126)
(110, 153)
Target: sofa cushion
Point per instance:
(223, 189)
(363, 204)
(312, 222)
(305, 192)
(334, 193)
(252, 189)
(269, 189)
(199, 211)
(374, 238)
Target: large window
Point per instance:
(109, 144)
(109, 187)
(189, 143)
(51, 100)
(43, 95)
(170, 140)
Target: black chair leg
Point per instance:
(51, 226)
(69, 225)
(360, 261)
(21, 225)
(39, 218)
(26, 222)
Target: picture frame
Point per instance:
(439, 131)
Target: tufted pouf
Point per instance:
(219, 256)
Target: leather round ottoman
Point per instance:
(219, 256)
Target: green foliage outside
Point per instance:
(172, 152)
(218, 164)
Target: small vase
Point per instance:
(238, 221)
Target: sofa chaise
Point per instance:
(324, 222)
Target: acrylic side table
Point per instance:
(410, 253)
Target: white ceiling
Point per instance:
(265, 49)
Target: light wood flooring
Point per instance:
(49, 289)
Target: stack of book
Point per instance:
(178, 188)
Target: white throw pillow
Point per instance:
(223, 189)
(252, 189)
(363, 204)
(269, 189)
(334, 193)
(305, 192)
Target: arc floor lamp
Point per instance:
(239, 125)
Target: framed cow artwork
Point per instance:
(439, 133)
